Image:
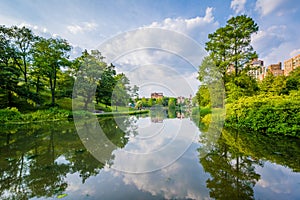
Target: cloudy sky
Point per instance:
(88, 24)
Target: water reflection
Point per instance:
(241, 165)
(50, 161)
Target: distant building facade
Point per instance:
(230, 69)
(180, 100)
(157, 95)
(275, 69)
(291, 64)
(257, 69)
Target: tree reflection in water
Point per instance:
(231, 160)
(35, 159)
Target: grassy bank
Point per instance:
(14, 116)
(122, 113)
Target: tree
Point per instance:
(89, 72)
(239, 86)
(240, 29)
(49, 56)
(9, 74)
(135, 92)
(203, 96)
(106, 85)
(218, 46)
(275, 85)
(232, 44)
(120, 95)
(22, 40)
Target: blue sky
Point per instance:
(87, 24)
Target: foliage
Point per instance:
(203, 96)
(106, 85)
(49, 56)
(9, 114)
(240, 86)
(120, 94)
(231, 44)
(89, 71)
(171, 103)
(268, 114)
(12, 115)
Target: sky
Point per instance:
(141, 28)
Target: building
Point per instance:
(230, 69)
(180, 100)
(291, 64)
(156, 95)
(275, 69)
(257, 69)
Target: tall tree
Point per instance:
(240, 29)
(218, 46)
(106, 85)
(91, 67)
(120, 95)
(22, 40)
(50, 55)
(231, 45)
(9, 74)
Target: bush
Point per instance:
(204, 111)
(13, 115)
(9, 114)
(272, 114)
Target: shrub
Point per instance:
(272, 114)
(9, 114)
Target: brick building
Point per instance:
(156, 95)
(291, 64)
(275, 69)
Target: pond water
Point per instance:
(151, 158)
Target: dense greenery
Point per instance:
(37, 73)
(270, 106)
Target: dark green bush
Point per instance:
(9, 114)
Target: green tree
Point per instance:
(240, 29)
(106, 85)
(172, 103)
(232, 44)
(50, 55)
(203, 96)
(293, 80)
(9, 74)
(89, 72)
(120, 95)
(239, 86)
(275, 85)
(135, 92)
(151, 102)
(21, 40)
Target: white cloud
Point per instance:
(268, 41)
(153, 55)
(82, 27)
(238, 5)
(167, 49)
(197, 27)
(265, 7)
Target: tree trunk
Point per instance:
(9, 98)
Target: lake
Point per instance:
(145, 157)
